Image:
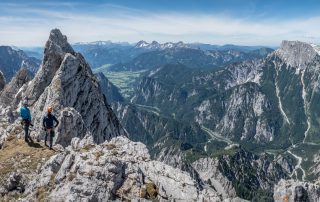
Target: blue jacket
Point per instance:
(25, 113)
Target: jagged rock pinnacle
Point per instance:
(55, 50)
(65, 82)
(57, 40)
(296, 53)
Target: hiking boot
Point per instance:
(45, 143)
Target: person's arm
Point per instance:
(56, 120)
(43, 122)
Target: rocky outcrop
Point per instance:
(295, 191)
(114, 170)
(15, 183)
(11, 94)
(2, 81)
(296, 53)
(208, 169)
(66, 82)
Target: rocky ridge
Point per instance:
(118, 169)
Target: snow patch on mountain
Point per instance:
(157, 46)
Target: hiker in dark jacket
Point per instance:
(26, 119)
(48, 124)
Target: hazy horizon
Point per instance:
(250, 22)
(134, 43)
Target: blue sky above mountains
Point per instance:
(243, 22)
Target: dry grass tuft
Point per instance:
(98, 154)
(87, 148)
(149, 192)
(110, 146)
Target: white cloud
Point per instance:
(30, 25)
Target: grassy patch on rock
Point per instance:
(17, 155)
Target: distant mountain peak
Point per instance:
(141, 44)
(296, 53)
(156, 45)
(102, 43)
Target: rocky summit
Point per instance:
(296, 53)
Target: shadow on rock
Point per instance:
(34, 144)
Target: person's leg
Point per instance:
(26, 130)
(51, 138)
(46, 136)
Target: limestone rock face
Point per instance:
(66, 82)
(209, 172)
(11, 94)
(114, 170)
(10, 97)
(2, 81)
(296, 53)
(55, 50)
(295, 191)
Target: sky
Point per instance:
(241, 22)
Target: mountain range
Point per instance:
(11, 60)
(222, 124)
(265, 104)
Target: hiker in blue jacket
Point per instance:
(48, 125)
(26, 119)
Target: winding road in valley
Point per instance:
(215, 135)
